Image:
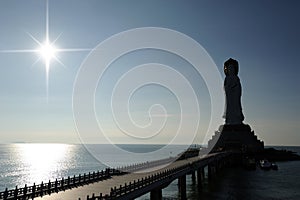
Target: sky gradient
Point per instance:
(263, 35)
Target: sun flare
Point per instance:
(47, 51)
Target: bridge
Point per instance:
(128, 182)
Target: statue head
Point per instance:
(231, 67)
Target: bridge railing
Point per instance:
(67, 183)
(28, 192)
(122, 190)
(146, 165)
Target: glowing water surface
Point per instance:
(42, 161)
(22, 164)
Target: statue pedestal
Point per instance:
(235, 137)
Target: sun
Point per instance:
(47, 51)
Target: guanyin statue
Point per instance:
(233, 91)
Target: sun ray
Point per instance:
(47, 63)
(73, 50)
(47, 42)
(60, 62)
(20, 51)
(34, 39)
(47, 21)
(53, 42)
(35, 62)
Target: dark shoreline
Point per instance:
(273, 154)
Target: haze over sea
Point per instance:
(22, 164)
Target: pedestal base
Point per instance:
(235, 137)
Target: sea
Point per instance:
(26, 163)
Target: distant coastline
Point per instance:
(203, 145)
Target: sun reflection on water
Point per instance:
(42, 161)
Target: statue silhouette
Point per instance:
(233, 91)
(234, 134)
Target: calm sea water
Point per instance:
(22, 164)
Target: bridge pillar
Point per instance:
(216, 168)
(156, 194)
(210, 171)
(200, 177)
(182, 187)
(220, 165)
(193, 177)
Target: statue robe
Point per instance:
(233, 108)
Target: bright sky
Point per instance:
(262, 35)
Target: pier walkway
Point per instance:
(114, 184)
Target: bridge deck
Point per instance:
(105, 186)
